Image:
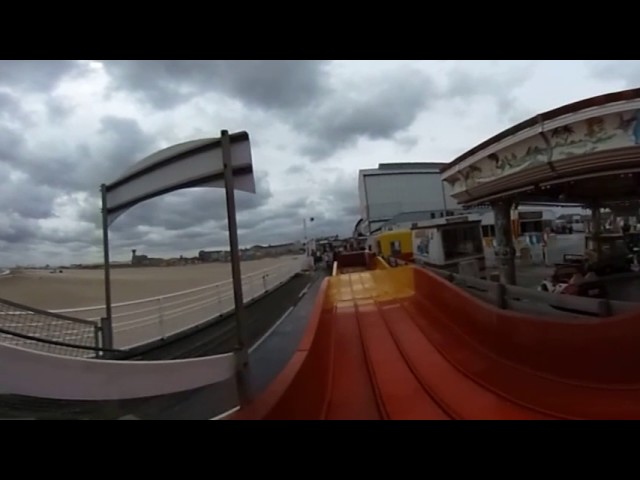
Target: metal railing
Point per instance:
(45, 331)
(546, 304)
(77, 331)
(141, 321)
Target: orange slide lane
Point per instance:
(405, 344)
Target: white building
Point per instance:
(399, 188)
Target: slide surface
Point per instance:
(404, 344)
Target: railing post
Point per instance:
(161, 325)
(248, 296)
(604, 308)
(96, 340)
(264, 281)
(106, 333)
(219, 299)
(501, 295)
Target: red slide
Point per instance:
(405, 344)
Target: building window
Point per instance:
(460, 242)
(433, 215)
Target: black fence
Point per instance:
(35, 329)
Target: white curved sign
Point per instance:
(197, 163)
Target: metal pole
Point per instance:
(444, 199)
(107, 330)
(306, 242)
(241, 326)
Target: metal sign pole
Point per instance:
(241, 326)
(306, 241)
(107, 323)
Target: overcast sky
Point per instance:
(67, 126)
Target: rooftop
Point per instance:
(431, 167)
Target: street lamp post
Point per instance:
(306, 240)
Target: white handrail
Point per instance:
(162, 297)
(141, 321)
(141, 331)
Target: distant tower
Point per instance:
(133, 255)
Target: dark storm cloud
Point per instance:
(298, 92)
(387, 106)
(38, 76)
(180, 223)
(126, 144)
(25, 199)
(267, 84)
(160, 223)
(22, 199)
(119, 143)
(328, 115)
(15, 229)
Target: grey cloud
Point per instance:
(463, 84)
(298, 92)
(26, 200)
(126, 143)
(275, 84)
(36, 75)
(11, 111)
(69, 237)
(119, 143)
(267, 84)
(407, 142)
(11, 143)
(20, 196)
(341, 192)
(627, 71)
(15, 229)
(296, 169)
(335, 212)
(58, 109)
(390, 106)
(262, 225)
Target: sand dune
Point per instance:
(85, 288)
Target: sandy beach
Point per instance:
(85, 288)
